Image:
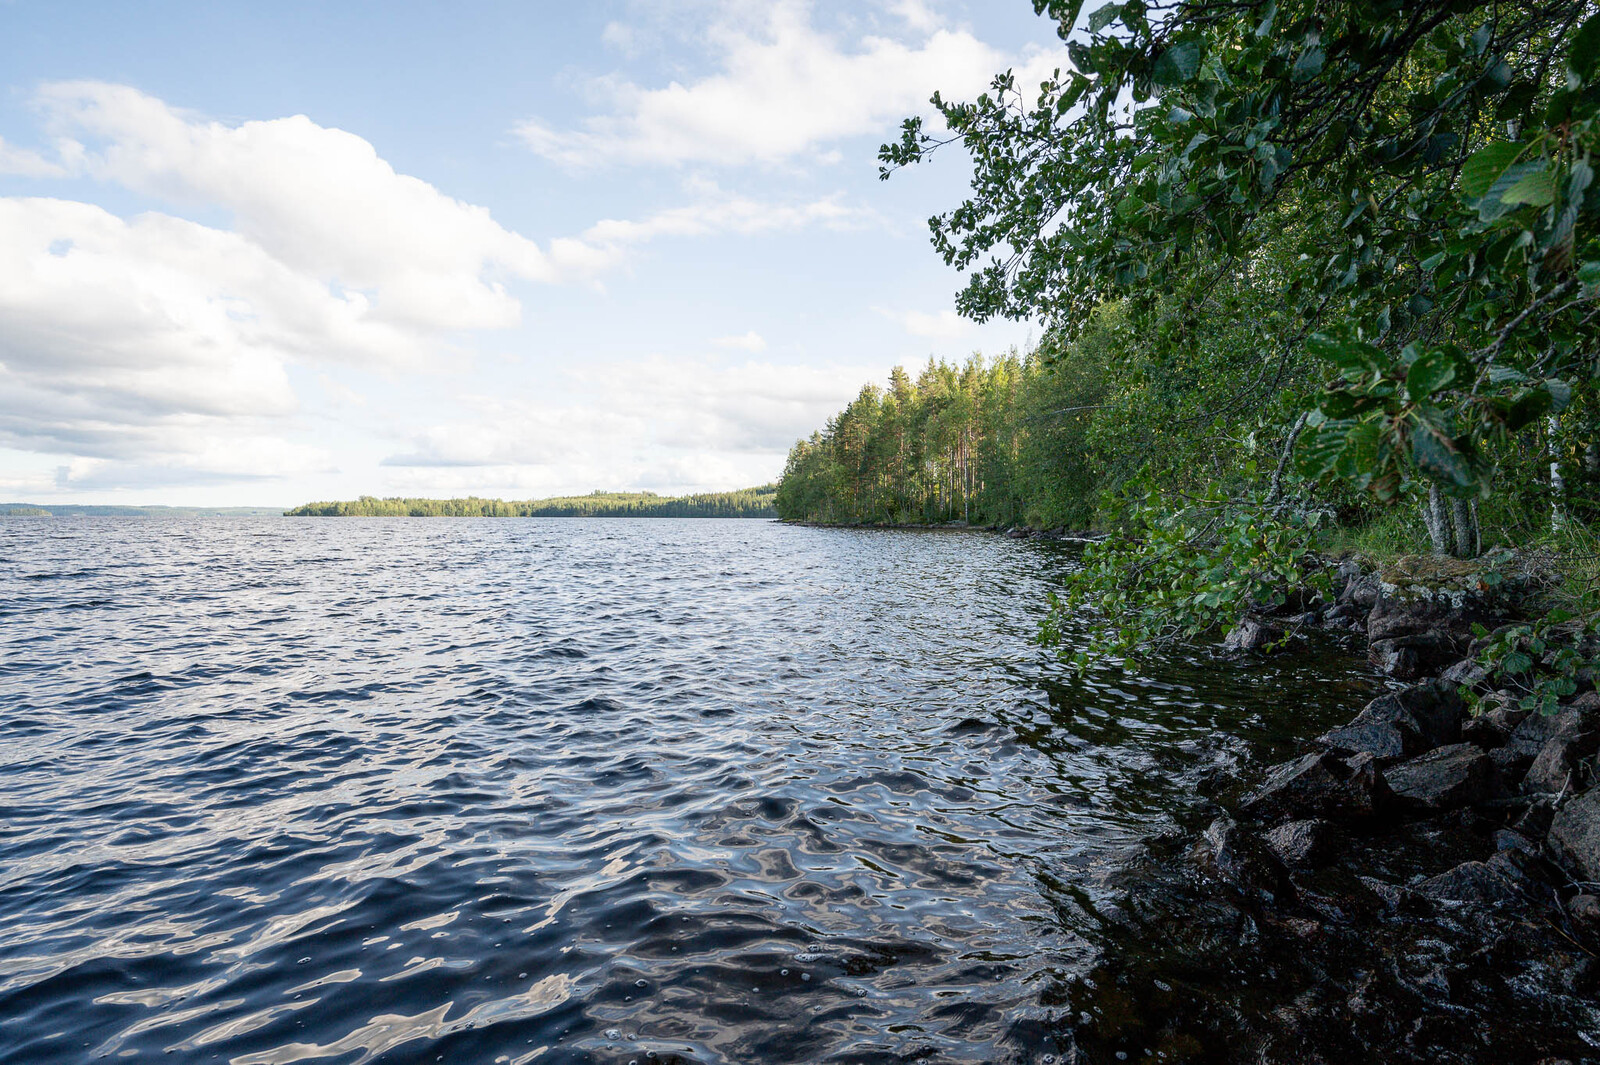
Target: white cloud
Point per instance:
(319, 200)
(751, 341)
(784, 90)
(671, 426)
(24, 162)
(940, 325)
(156, 342)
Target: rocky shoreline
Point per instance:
(1421, 884)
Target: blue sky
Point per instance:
(266, 253)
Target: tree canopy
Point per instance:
(1400, 192)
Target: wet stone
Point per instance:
(1251, 634)
(1303, 844)
(1472, 882)
(1585, 910)
(1451, 776)
(1238, 857)
(1402, 724)
(1318, 786)
(1575, 832)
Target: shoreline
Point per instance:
(1418, 885)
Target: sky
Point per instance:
(260, 254)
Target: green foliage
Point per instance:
(1406, 189)
(1168, 574)
(1539, 661)
(990, 442)
(747, 503)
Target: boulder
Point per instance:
(1318, 786)
(1511, 763)
(1455, 775)
(1251, 634)
(1562, 764)
(1402, 724)
(1393, 659)
(1575, 833)
(1485, 731)
(1471, 882)
(1585, 910)
(1361, 590)
(1467, 673)
(1573, 723)
(1303, 844)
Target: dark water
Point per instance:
(568, 791)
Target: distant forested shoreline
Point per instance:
(745, 503)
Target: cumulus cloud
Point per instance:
(782, 90)
(319, 200)
(667, 425)
(751, 341)
(155, 341)
(939, 325)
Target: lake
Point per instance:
(572, 790)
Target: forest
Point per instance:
(1312, 277)
(745, 503)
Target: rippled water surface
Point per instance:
(568, 790)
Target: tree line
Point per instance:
(745, 503)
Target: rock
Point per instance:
(1402, 724)
(1585, 910)
(1574, 724)
(1338, 613)
(1466, 673)
(1303, 844)
(1535, 820)
(1394, 626)
(1510, 763)
(1560, 765)
(1318, 786)
(1456, 775)
(1470, 882)
(1361, 590)
(1575, 833)
(1234, 855)
(1251, 634)
(1508, 840)
(1485, 732)
(1394, 660)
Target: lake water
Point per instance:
(421, 790)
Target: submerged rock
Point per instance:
(1251, 634)
(1236, 856)
(1575, 833)
(1455, 775)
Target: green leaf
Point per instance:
(1560, 393)
(1437, 455)
(1430, 372)
(1103, 17)
(1584, 50)
(1308, 66)
(1353, 358)
(1486, 165)
(1537, 187)
(1589, 273)
(1177, 64)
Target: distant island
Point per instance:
(88, 510)
(746, 503)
